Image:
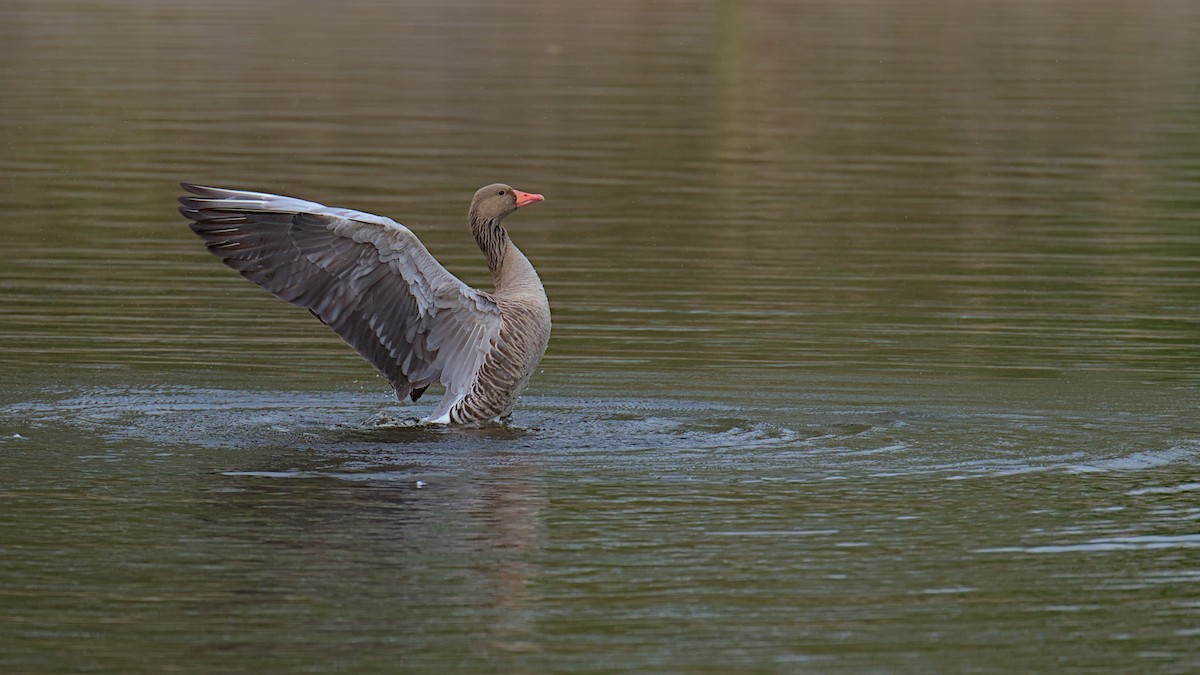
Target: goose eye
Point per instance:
(501, 192)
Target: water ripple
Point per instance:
(770, 443)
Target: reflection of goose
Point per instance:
(372, 281)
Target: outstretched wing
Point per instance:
(367, 277)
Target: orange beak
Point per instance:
(526, 198)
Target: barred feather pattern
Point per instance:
(524, 336)
(524, 330)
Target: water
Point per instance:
(877, 340)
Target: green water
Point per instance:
(876, 341)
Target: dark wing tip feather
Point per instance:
(194, 189)
(187, 212)
(194, 203)
(199, 190)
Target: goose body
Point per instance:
(375, 284)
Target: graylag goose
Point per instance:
(376, 285)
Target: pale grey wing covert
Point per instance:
(367, 277)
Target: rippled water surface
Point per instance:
(876, 344)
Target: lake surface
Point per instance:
(876, 342)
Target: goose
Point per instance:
(373, 282)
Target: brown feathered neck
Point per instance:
(492, 239)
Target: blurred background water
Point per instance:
(877, 339)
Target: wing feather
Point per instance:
(367, 277)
